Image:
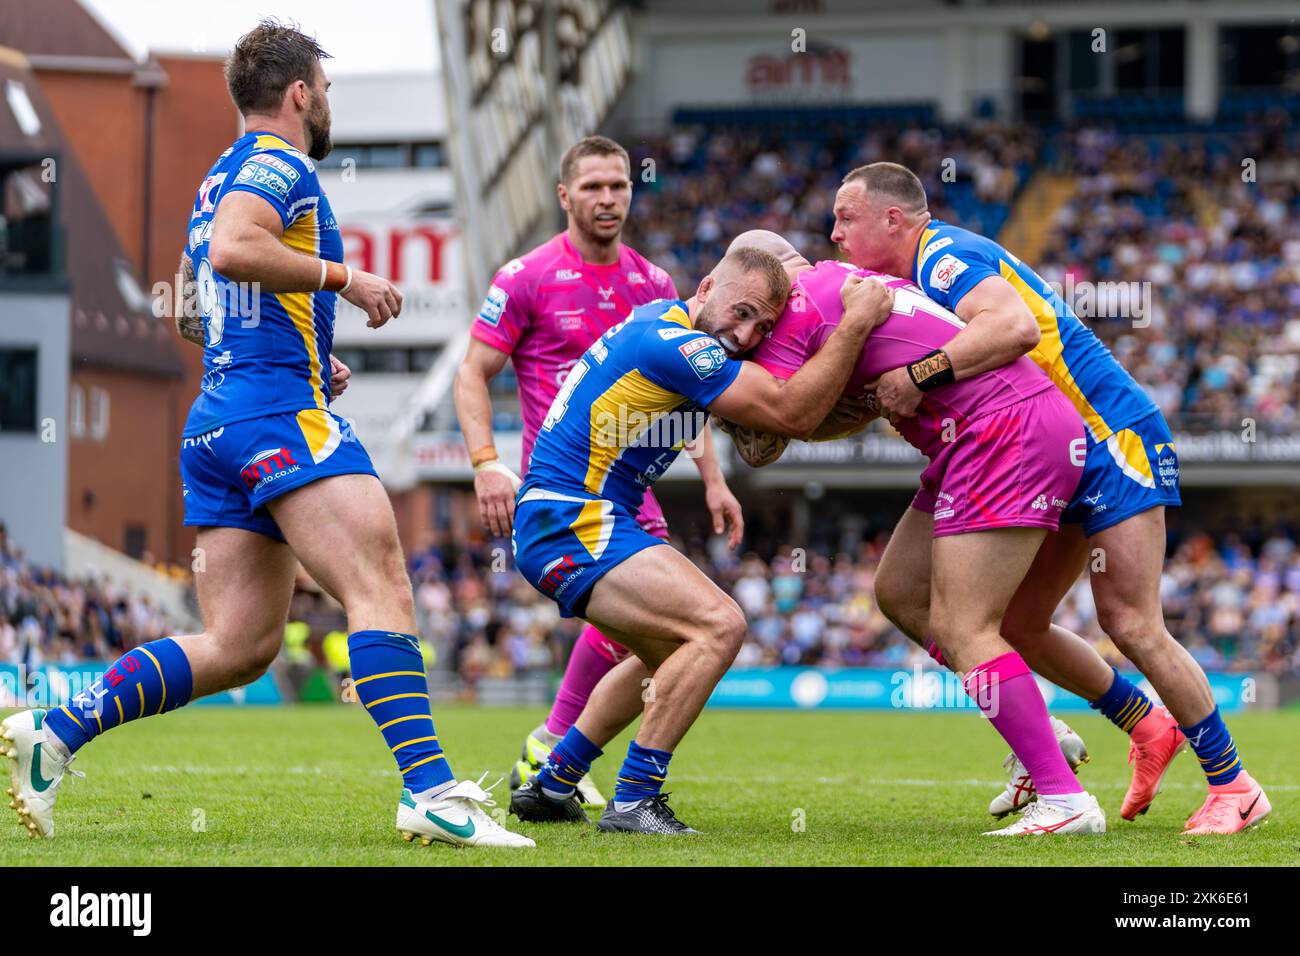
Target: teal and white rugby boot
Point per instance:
(37, 763)
(458, 816)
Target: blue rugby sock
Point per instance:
(388, 676)
(148, 680)
(1123, 704)
(1215, 749)
(643, 775)
(569, 762)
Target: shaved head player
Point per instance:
(542, 312)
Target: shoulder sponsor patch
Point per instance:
(494, 305)
(705, 354)
(932, 248)
(513, 267)
(279, 165)
(674, 333)
(945, 270)
(207, 191)
(265, 178)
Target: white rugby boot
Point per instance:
(1020, 787)
(37, 764)
(458, 816)
(1045, 819)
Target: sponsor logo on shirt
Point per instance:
(605, 296)
(705, 354)
(1167, 464)
(494, 305)
(206, 203)
(672, 333)
(945, 270)
(635, 278)
(513, 267)
(285, 169)
(565, 275)
(932, 248)
(264, 178)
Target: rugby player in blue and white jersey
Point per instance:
(1130, 475)
(272, 477)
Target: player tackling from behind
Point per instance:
(1001, 447)
(1130, 476)
(542, 312)
(271, 479)
(640, 393)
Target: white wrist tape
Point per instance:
(495, 465)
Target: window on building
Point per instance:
(77, 411)
(98, 413)
(18, 390)
(134, 540)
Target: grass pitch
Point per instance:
(308, 785)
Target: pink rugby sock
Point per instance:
(933, 650)
(1008, 695)
(588, 663)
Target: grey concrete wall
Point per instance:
(34, 466)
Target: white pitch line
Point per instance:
(270, 771)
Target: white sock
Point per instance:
(434, 792)
(55, 743)
(1069, 802)
(558, 795)
(545, 736)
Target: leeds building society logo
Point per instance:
(705, 355)
(268, 466)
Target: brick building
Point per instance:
(134, 140)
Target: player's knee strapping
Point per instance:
(388, 677)
(151, 679)
(1123, 704)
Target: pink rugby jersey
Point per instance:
(545, 309)
(916, 328)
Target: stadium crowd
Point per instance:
(1218, 239)
(46, 617)
(708, 187)
(1215, 245)
(1232, 598)
(1234, 601)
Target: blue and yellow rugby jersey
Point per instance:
(951, 261)
(268, 352)
(629, 405)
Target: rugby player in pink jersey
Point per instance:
(1004, 449)
(542, 312)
